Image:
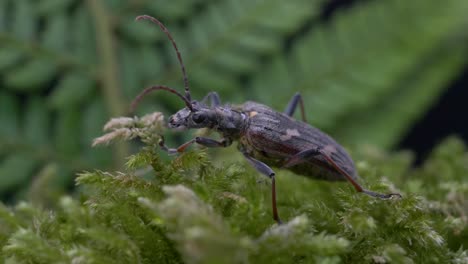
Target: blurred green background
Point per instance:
(367, 71)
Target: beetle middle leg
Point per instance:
(292, 105)
(267, 171)
(214, 99)
(303, 156)
(207, 142)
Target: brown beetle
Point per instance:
(266, 137)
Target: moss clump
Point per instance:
(191, 210)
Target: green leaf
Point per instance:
(36, 123)
(82, 37)
(67, 132)
(388, 120)
(24, 20)
(92, 127)
(49, 7)
(31, 76)
(72, 90)
(9, 57)
(15, 171)
(142, 31)
(55, 35)
(9, 116)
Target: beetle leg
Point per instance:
(207, 142)
(211, 143)
(214, 99)
(356, 185)
(304, 155)
(266, 170)
(260, 166)
(173, 151)
(292, 105)
(301, 157)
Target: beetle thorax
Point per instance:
(223, 119)
(231, 123)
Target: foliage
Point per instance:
(192, 211)
(371, 72)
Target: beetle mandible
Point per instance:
(266, 137)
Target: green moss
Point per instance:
(194, 210)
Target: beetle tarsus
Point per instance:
(174, 151)
(162, 145)
(381, 195)
(273, 201)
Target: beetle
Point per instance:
(266, 138)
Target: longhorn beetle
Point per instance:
(266, 137)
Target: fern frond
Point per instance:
(348, 68)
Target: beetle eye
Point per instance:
(198, 118)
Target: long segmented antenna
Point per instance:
(158, 87)
(179, 57)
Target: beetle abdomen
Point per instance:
(274, 137)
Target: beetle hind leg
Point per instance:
(356, 185)
(303, 156)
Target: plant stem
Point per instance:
(106, 43)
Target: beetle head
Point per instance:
(199, 117)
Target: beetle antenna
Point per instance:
(158, 87)
(179, 57)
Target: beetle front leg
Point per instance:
(292, 105)
(173, 151)
(211, 143)
(267, 171)
(303, 156)
(207, 142)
